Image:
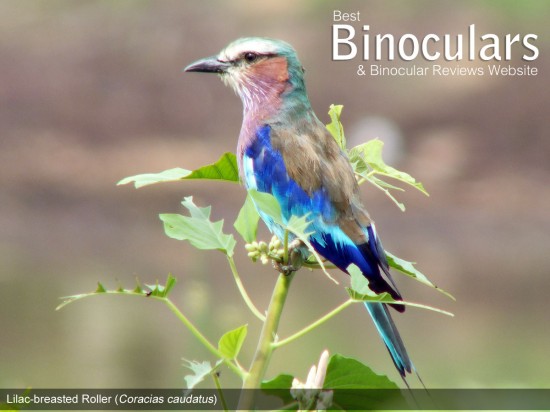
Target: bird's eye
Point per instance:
(250, 57)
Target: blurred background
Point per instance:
(92, 91)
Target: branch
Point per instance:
(202, 339)
(242, 290)
(265, 347)
(313, 325)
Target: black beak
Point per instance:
(208, 65)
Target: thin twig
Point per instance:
(313, 325)
(242, 290)
(202, 339)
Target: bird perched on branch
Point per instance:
(284, 150)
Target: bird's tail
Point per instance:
(388, 331)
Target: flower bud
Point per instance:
(250, 247)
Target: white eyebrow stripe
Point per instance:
(234, 51)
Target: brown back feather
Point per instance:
(314, 160)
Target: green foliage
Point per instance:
(282, 381)
(361, 292)
(346, 375)
(247, 220)
(231, 342)
(157, 291)
(160, 291)
(335, 126)
(14, 407)
(360, 289)
(224, 169)
(100, 288)
(296, 225)
(349, 373)
(367, 161)
(268, 205)
(280, 386)
(343, 376)
(200, 371)
(408, 269)
(198, 229)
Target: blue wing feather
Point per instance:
(265, 171)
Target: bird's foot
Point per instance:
(295, 259)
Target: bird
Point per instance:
(283, 149)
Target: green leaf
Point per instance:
(280, 387)
(349, 373)
(157, 291)
(200, 371)
(360, 285)
(380, 184)
(224, 169)
(295, 225)
(268, 205)
(346, 375)
(371, 153)
(280, 382)
(335, 126)
(247, 221)
(367, 162)
(386, 185)
(170, 175)
(161, 291)
(196, 211)
(360, 291)
(16, 406)
(198, 229)
(408, 269)
(231, 342)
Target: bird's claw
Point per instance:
(295, 259)
(285, 269)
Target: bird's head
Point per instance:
(260, 70)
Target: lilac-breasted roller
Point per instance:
(284, 150)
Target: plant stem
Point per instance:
(219, 388)
(313, 325)
(202, 339)
(362, 179)
(265, 344)
(241, 288)
(285, 248)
